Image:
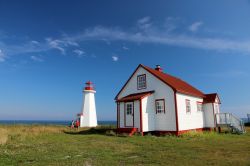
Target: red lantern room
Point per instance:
(89, 86)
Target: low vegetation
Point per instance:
(58, 145)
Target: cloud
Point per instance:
(80, 53)
(161, 37)
(195, 26)
(56, 44)
(144, 20)
(171, 23)
(36, 58)
(2, 56)
(144, 23)
(125, 48)
(147, 33)
(115, 58)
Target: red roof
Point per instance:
(135, 96)
(174, 82)
(210, 98)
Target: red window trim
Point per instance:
(138, 82)
(198, 102)
(187, 100)
(125, 112)
(163, 105)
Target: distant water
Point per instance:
(48, 122)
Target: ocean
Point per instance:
(48, 122)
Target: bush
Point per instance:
(110, 133)
(247, 124)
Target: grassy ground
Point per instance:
(55, 145)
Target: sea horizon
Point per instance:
(50, 122)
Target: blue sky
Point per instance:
(48, 49)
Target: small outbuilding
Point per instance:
(154, 101)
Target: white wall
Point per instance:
(191, 120)
(163, 122)
(148, 112)
(209, 115)
(122, 115)
(137, 114)
(89, 118)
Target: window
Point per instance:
(141, 82)
(160, 106)
(129, 109)
(188, 106)
(199, 107)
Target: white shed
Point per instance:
(153, 101)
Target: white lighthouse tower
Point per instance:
(88, 115)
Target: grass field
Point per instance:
(57, 145)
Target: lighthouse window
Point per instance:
(141, 82)
(160, 106)
(129, 109)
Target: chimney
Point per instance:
(158, 68)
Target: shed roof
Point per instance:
(211, 98)
(135, 96)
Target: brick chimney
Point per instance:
(158, 68)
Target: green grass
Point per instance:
(57, 145)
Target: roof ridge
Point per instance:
(180, 86)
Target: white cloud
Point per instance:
(115, 58)
(80, 53)
(171, 23)
(144, 20)
(195, 26)
(147, 33)
(2, 56)
(161, 37)
(56, 44)
(36, 58)
(144, 23)
(34, 42)
(125, 48)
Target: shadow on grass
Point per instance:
(100, 130)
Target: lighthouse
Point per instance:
(88, 115)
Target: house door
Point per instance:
(129, 114)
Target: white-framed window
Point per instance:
(160, 106)
(141, 82)
(199, 107)
(129, 108)
(188, 106)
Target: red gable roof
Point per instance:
(135, 96)
(174, 82)
(210, 98)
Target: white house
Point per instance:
(153, 101)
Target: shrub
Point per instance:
(247, 124)
(110, 133)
